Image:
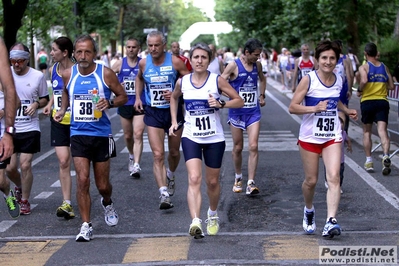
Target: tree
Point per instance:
(293, 22)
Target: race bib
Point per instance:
(325, 124)
(305, 71)
(203, 122)
(58, 100)
(129, 86)
(21, 116)
(156, 91)
(250, 96)
(83, 108)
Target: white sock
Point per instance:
(369, 159)
(309, 210)
(163, 191)
(68, 201)
(131, 157)
(212, 213)
(238, 176)
(250, 182)
(170, 174)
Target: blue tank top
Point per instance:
(80, 90)
(246, 84)
(58, 85)
(158, 79)
(128, 75)
(343, 97)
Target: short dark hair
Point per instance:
(326, 45)
(134, 39)
(371, 49)
(252, 44)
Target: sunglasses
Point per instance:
(19, 61)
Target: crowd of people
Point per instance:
(181, 95)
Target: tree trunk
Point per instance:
(396, 30)
(352, 27)
(13, 13)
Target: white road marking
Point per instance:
(56, 184)
(273, 140)
(4, 225)
(44, 195)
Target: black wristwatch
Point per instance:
(222, 103)
(10, 130)
(111, 103)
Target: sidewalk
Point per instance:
(355, 129)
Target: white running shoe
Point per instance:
(309, 224)
(130, 165)
(110, 215)
(136, 171)
(196, 229)
(85, 234)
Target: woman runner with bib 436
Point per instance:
(317, 99)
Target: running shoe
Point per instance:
(386, 165)
(212, 227)
(86, 233)
(237, 188)
(252, 189)
(25, 207)
(110, 215)
(130, 165)
(165, 202)
(12, 205)
(171, 185)
(331, 228)
(66, 211)
(196, 229)
(369, 167)
(309, 224)
(136, 171)
(18, 194)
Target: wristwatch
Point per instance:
(222, 103)
(111, 104)
(262, 95)
(10, 130)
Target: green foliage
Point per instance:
(40, 17)
(290, 23)
(389, 52)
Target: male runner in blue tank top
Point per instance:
(375, 81)
(132, 121)
(243, 75)
(156, 79)
(91, 134)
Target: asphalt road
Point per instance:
(262, 230)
